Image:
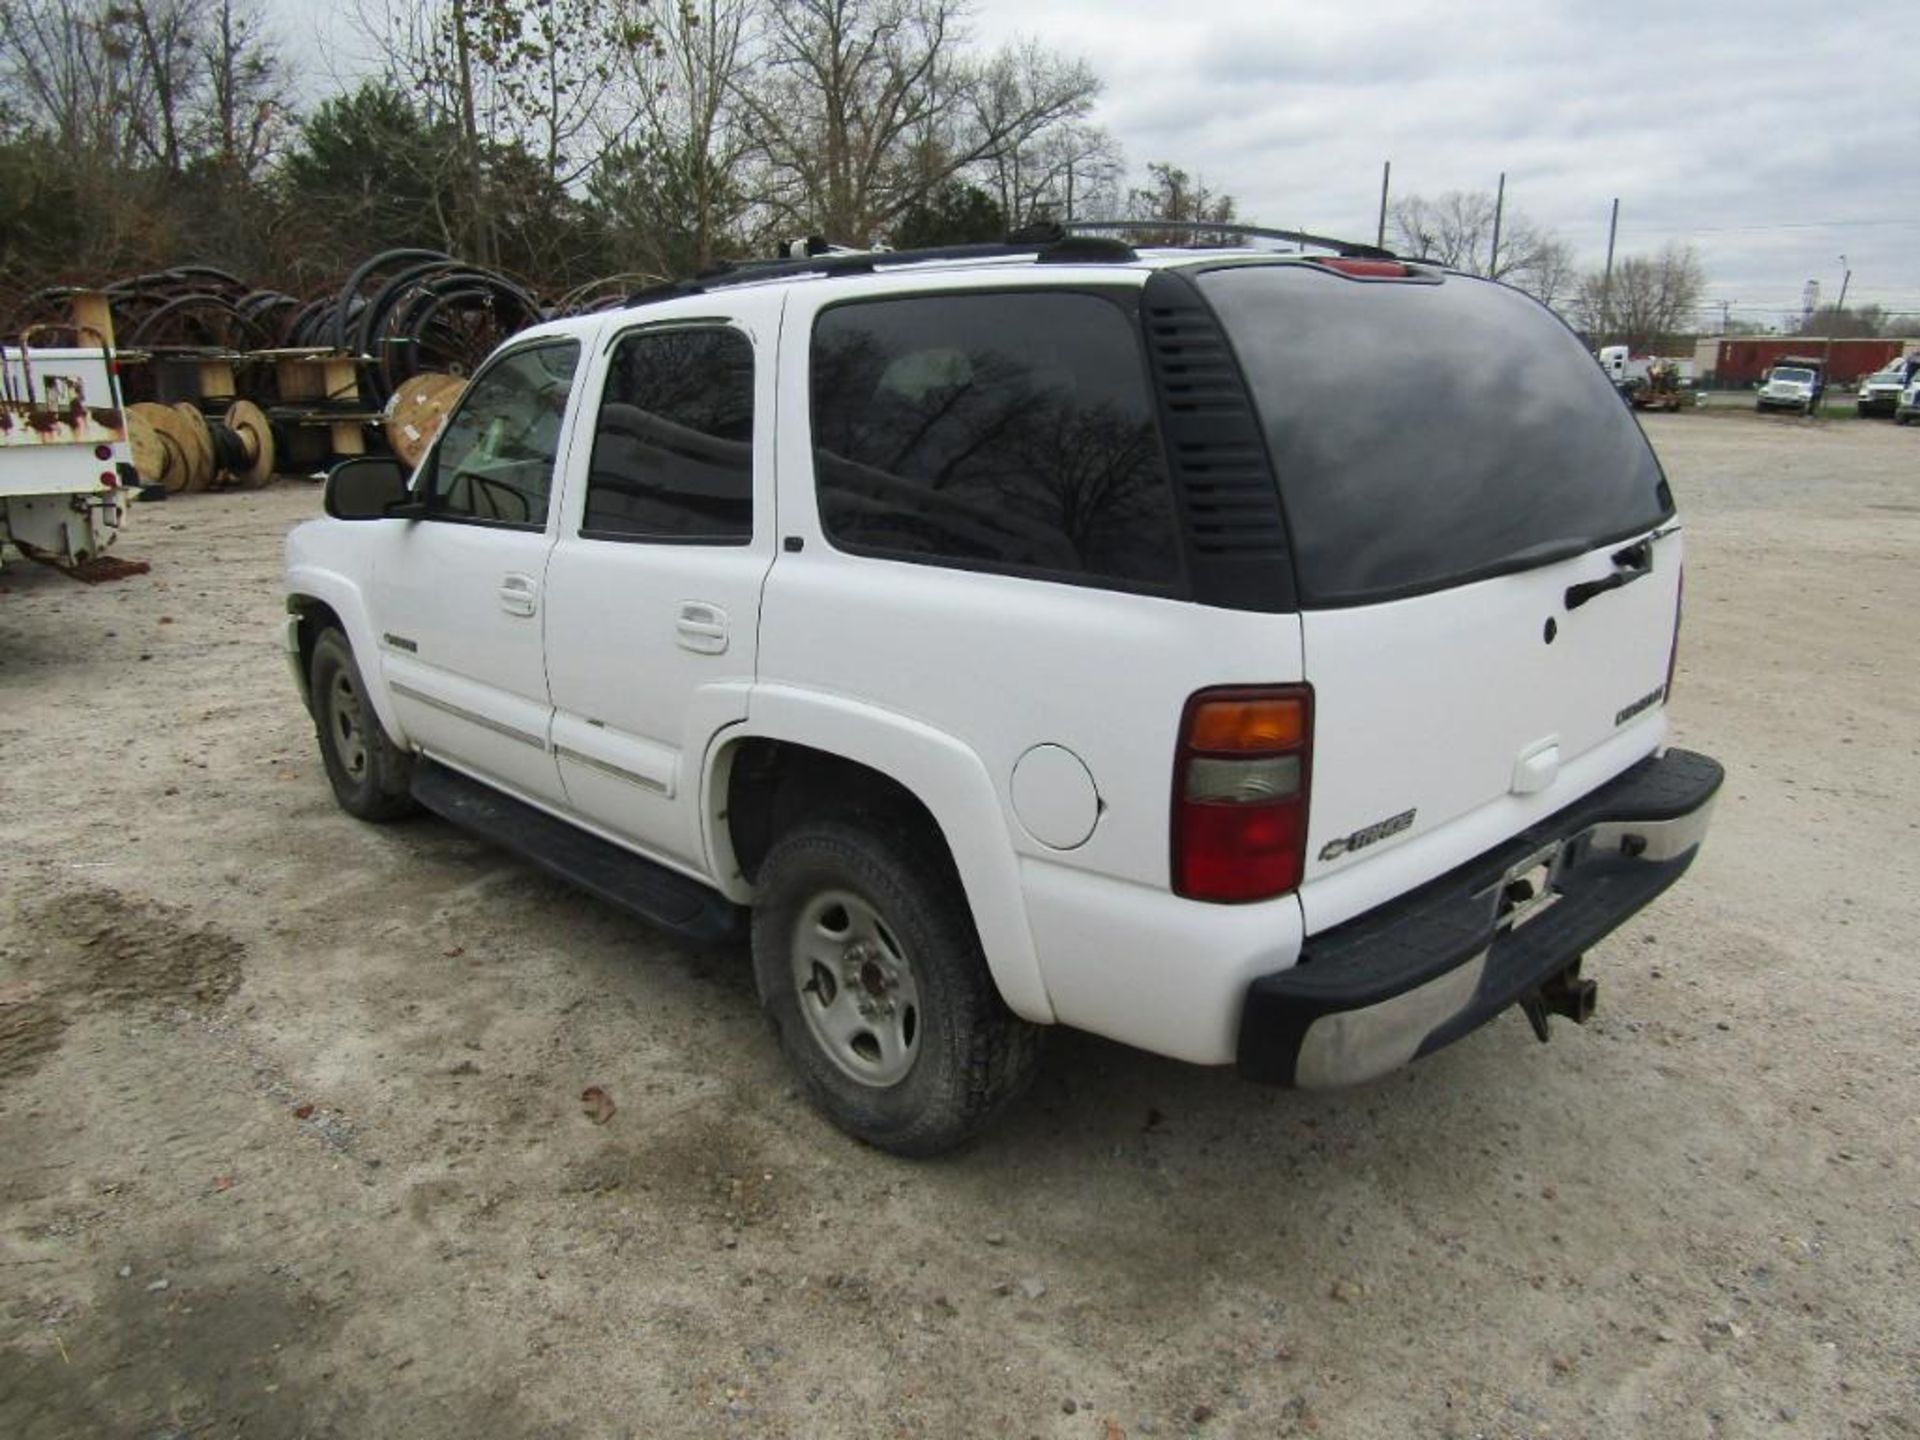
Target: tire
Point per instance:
(369, 773)
(869, 968)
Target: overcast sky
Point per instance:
(1773, 137)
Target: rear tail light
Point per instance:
(1240, 793)
(1365, 269)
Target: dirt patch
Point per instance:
(704, 1166)
(226, 1360)
(103, 947)
(29, 1032)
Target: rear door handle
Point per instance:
(702, 627)
(517, 593)
(1631, 564)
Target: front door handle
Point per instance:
(701, 627)
(517, 594)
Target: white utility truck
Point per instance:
(65, 466)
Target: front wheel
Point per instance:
(869, 967)
(369, 773)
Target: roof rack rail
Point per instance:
(1044, 243)
(1357, 249)
(1074, 242)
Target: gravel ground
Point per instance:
(292, 1143)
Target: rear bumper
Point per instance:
(1401, 981)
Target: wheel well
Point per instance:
(316, 616)
(773, 785)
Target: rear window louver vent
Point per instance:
(1215, 453)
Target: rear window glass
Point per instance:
(1426, 435)
(1009, 432)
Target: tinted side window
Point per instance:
(1007, 431)
(673, 448)
(495, 461)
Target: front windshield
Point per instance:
(1799, 376)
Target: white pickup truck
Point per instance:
(64, 459)
(1034, 635)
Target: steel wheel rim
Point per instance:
(347, 726)
(856, 988)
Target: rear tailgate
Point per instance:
(1456, 471)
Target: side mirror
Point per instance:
(365, 489)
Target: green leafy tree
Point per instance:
(955, 214)
(369, 171)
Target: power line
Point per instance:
(1793, 225)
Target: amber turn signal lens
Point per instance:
(1237, 726)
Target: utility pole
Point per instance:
(1606, 278)
(1839, 309)
(1499, 207)
(1386, 176)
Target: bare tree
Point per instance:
(248, 107)
(1172, 194)
(1651, 298)
(1552, 276)
(864, 108)
(674, 194)
(1066, 171)
(71, 76)
(550, 79)
(1457, 230)
(1854, 321)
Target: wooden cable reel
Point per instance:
(198, 442)
(163, 451)
(177, 447)
(417, 410)
(243, 444)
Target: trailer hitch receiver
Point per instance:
(1564, 994)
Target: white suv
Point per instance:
(1046, 634)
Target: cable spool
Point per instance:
(197, 442)
(243, 448)
(416, 412)
(160, 449)
(149, 454)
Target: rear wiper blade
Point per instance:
(1546, 552)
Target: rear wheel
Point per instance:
(869, 967)
(369, 773)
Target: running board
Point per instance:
(635, 884)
